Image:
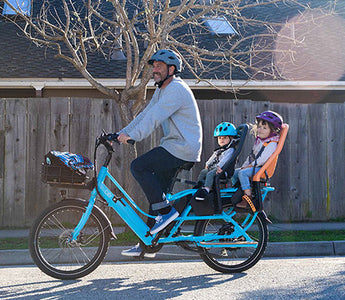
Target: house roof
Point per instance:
(20, 59)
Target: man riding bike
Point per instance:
(173, 107)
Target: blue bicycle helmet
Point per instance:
(225, 129)
(170, 57)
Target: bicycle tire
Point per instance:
(51, 249)
(233, 259)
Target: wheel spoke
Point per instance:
(52, 248)
(241, 249)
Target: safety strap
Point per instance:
(259, 154)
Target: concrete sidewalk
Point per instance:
(172, 252)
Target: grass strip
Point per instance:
(306, 236)
(13, 243)
(129, 238)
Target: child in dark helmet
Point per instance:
(266, 130)
(225, 133)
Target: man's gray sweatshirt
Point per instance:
(175, 109)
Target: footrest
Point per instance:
(227, 243)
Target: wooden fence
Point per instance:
(309, 180)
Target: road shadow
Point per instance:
(332, 288)
(168, 287)
(116, 288)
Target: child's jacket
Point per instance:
(220, 156)
(270, 145)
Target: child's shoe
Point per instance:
(246, 203)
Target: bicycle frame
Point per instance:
(231, 240)
(124, 204)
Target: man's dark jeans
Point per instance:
(154, 171)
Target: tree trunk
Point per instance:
(128, 154)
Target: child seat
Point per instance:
(267, 170)
(212, 204)
(229, 166)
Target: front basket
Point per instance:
(62, 176)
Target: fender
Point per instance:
(97, 211)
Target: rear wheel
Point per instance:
(51, 246)
(232, 255)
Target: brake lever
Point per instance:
(102, 139)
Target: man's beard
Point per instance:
(159, 77)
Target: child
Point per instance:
(225, 133)
(266, 130)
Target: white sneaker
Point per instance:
(136, 251)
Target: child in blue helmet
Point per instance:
(225, 133)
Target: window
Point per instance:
(220, 26)
(24, 6)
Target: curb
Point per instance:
(322, 248)
(172, 252)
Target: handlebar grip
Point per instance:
(130, 141)
(113, 137)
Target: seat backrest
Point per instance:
(271, 163)
(229, 166)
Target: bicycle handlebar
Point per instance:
(114, 136)
(106, 139)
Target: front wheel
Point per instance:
(237, 254)
(51, 246)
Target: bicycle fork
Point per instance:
(85, 216)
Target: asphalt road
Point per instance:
(272, 278)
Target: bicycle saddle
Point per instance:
(187, 166)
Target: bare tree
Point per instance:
(77, 29)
